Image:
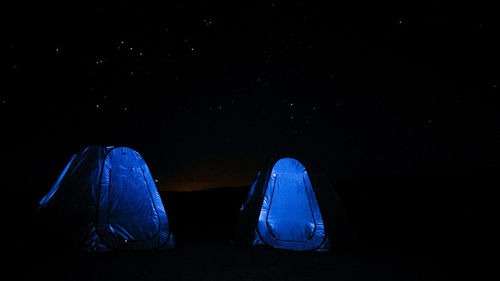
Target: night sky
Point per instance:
(206, 91)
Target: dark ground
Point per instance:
(430, 226)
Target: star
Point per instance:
(208, 22)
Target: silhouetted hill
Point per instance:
(204, 215)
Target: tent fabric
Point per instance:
(291, 207)
(106, 198)
(56, 186)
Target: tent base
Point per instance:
(258, 242)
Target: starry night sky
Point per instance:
(207, 91)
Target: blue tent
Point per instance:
(294, 208)
(106, 198)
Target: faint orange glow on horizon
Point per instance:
(196, 186)
(212, 172)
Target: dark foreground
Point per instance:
(427, 227)
(220, 261)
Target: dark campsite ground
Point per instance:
(431, 226)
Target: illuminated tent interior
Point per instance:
(104, 199)
(293, 206)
